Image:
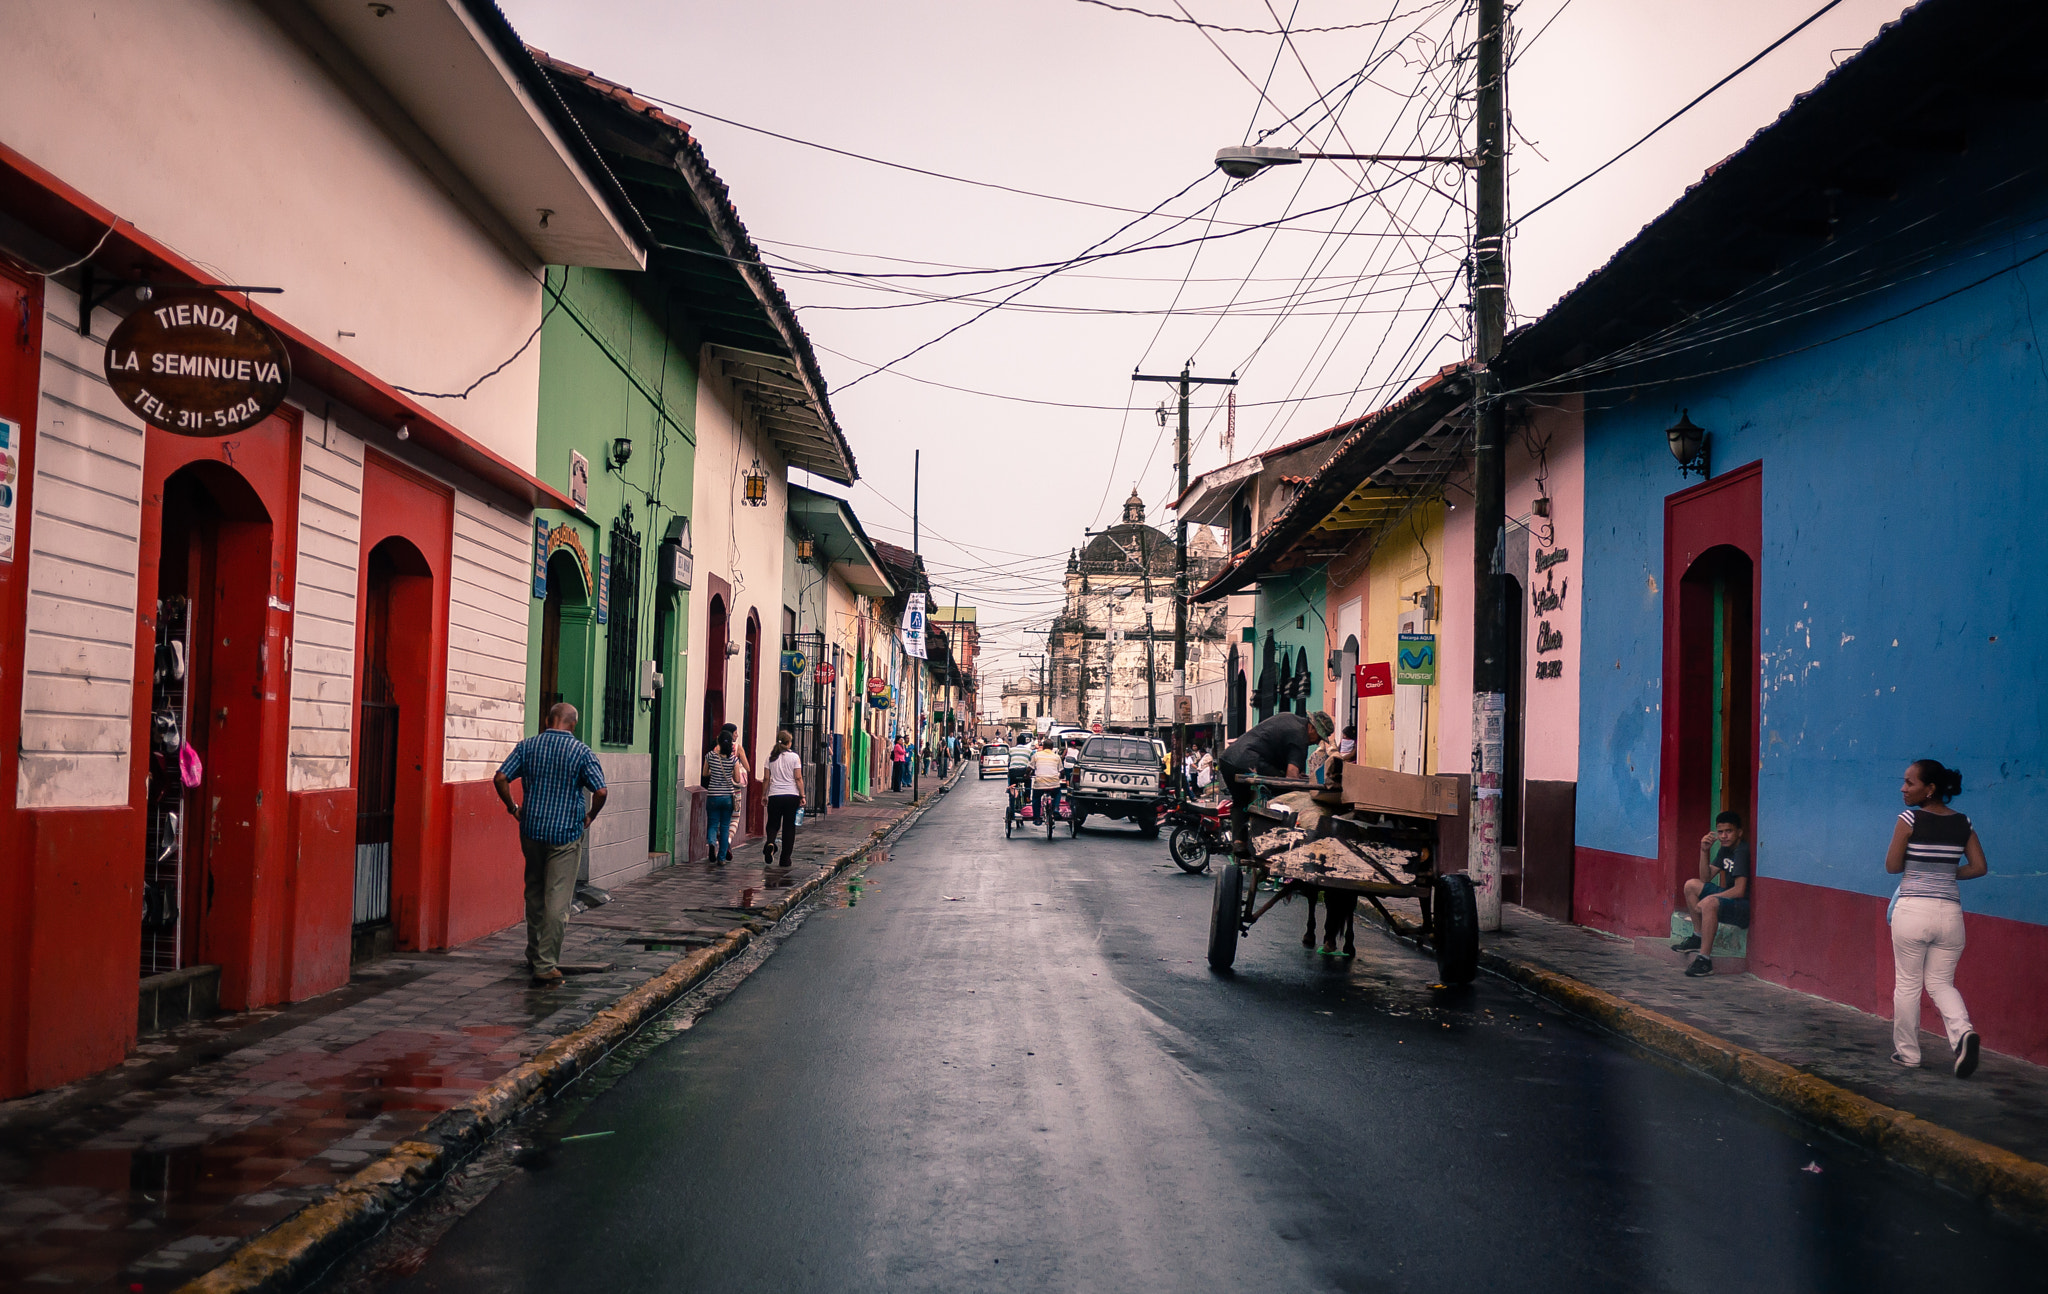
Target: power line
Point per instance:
(1189, 20)
(1701, 97)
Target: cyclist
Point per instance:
(1047, 775)
(1020, 777)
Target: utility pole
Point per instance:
(1489, 466)
(1180, 540)
(917, 670)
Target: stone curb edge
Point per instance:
(305, 1244)
(2010, 1183)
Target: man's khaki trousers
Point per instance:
(550, 885)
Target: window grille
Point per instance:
(622, 638)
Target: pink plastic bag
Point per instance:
(189, 768)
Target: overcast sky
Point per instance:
(1357, 293)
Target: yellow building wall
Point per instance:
(1409, 559)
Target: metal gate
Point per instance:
(804, 714)
(376, 800)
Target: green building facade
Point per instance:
(618, 394)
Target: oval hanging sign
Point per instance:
(197, 365)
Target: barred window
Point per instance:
(622, 639)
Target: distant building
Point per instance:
(1112, 643)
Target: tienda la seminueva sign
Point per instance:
(197, 365)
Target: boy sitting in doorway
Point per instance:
(1720, 893)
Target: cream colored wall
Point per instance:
(744, 547)
(204, 125)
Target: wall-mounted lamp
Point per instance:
(622, 450)
(756, 495)
(404, 432)
(804, 549)
(1689, 445)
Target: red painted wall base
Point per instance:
(84, 944)
(486, 873)
(1620, 893)
(1835, 944)
(322, 880)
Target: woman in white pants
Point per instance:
(1933, 847)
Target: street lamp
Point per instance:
(1242, 161)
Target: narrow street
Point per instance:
(1004, 1064)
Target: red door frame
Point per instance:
(1724, 512)
(245, 929)
(54, 998)
(400, 503)
(750, 658)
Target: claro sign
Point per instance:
(197, 366)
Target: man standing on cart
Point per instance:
(1276, 748)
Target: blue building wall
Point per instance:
(1282, 600)
(1904, 469)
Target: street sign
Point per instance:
(795, 662)
(1415, 662)
(1376, 679)
(878, 687)
(197, 365)
(826, 672)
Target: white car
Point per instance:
(994, 759)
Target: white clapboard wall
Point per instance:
(489, 601)
(78, 682)
(324, 605)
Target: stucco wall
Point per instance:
(741, 545)
(1902, 473)
(273, 176)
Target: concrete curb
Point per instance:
(303, 1246)
(2014, 1185)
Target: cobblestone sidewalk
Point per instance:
(145, 1176)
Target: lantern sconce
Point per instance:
(756, 495)
(622, 451)
(1689, 445)
(804, 550)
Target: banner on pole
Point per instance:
(913, 625)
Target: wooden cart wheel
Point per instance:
(1455, 930)
(1225, 908)
(1190, 851)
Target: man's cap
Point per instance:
(1323, 724)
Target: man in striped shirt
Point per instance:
(553, 770)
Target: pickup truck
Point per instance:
(1119, 777)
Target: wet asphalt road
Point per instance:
(1008, 1067)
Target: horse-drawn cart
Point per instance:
(1349, 849)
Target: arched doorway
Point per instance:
(1717, 679)
(717, 636)
(565, 620)
(757, 799)
(392, 720)
(213, 573)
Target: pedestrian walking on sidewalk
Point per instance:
(899, 766)
(722, 775)
(1933, 847)
(553, 770)
(784, 777)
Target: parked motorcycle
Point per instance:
(1197, 830)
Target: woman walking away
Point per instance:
(784, 776)
(721, 782)
(1934, 846)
